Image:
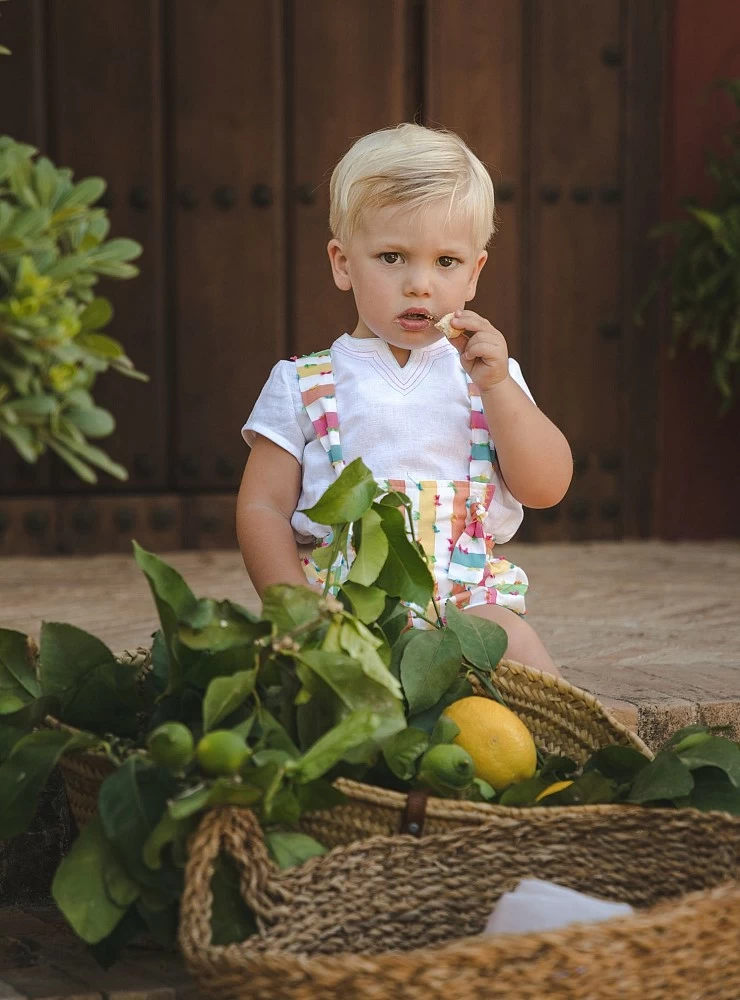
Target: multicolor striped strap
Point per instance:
(316, 384)
(469, 556)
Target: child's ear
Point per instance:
(339, 268)
(473, 284)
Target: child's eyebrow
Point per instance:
(400, 247)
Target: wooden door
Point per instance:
(348, 77)
(226, 242)
(105, 82)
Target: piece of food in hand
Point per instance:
(501, 746)
(444, 325)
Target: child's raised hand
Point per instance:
(484, 355)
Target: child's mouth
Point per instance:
(415, 320)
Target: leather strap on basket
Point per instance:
(237, 832)
(414, 813)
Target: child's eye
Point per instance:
(448, 261)
(391, 257)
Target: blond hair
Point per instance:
(411, 166)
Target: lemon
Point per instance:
(556, 786)
(501, 746)
(10, 703)
(446, 768)
(222, 752)
(171, 745)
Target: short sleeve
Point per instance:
(516, 373)
(278, 413)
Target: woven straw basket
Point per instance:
(397, 918)
(562, 719)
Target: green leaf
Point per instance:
(367, 602)
(402, 751)
(25, 772)
(358, 728)
(427, 720)
(620, 763)
(394, 621)
(289, 849)
(163, 833)
(523, 793)
(483, 643)
(348, 498)
(589, 789)
(356, 640)
(429, 666)
(372, 552)
(189, 802)
(355, 689)
(91, 887)
(173, 599)
(67, 654)
(445, 731)
(94, 421)
(104, 700)
(218, 625)
(714, 752)
(131, 803)
(716, 795)
(288, 607)
(225, 694)
(16, 673)
(115, 250)
(664, 778)
(231, 919)
(96, 315)
(405, 573)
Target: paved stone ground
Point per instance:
(40, 959)
(652, 628)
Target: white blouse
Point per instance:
(410, 422)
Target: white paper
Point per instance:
(537, 905)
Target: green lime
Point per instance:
(222, 752)
(171, 745)
(446, 767)
(10, 703)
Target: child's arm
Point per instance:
(533, 455)
(267, 500)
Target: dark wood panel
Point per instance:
(23, 117)
(228, 251)
(480, 96)
(107, 111)
(575, 367)
(87, 525)
(28, 526)
(210, 521)
(698, 480)
(644, 69)
(348, 79)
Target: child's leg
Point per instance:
(525, 646)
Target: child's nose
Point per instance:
(419, 281)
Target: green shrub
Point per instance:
(53, 250)
(702, 275)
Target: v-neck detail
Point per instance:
(377, 353)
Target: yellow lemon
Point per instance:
(501, 746)
(557, 786)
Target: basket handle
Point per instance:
(238, 833)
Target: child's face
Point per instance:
(401, 263)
